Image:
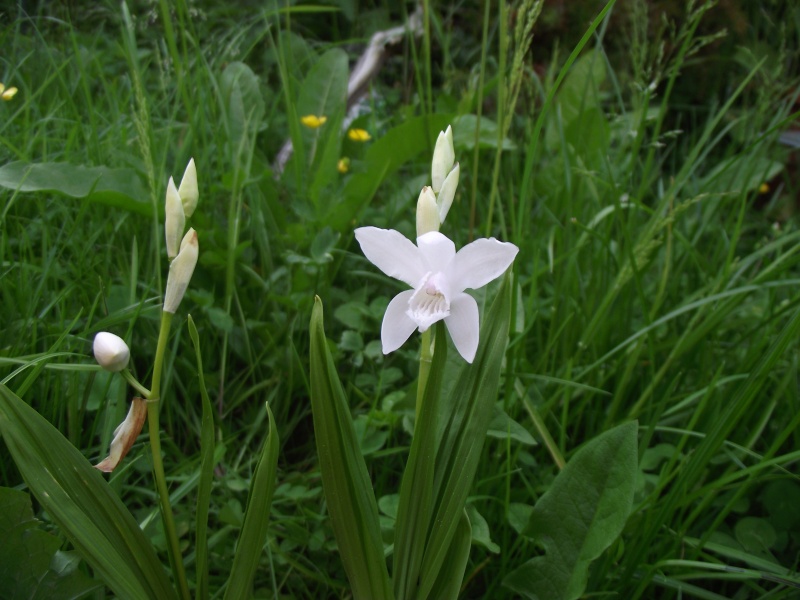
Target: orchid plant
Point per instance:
(432, 533)
(83, 504)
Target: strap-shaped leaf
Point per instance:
(415, 506)
(581, 514)
(83, 505)
(451, 575)
(469, 409)
(256, 518)
(345, 481)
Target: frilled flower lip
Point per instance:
(438, 275)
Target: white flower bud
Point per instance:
(175, 219)
(427, 212)
(445, 198)
(180, 271)
(188, 189)
(110, 351)
(443, 158)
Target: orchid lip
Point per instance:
(429, 303)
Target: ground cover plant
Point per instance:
(620, 420)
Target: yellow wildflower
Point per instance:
(343, 165)
(763, 188)
(313, 121)
(359, 135)
(7, 93)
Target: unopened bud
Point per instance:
(427, 212)
(110, 351)
(180, 271)
(443, 158)
(175, 219)
(445, 198)
(188, 189)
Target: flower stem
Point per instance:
(135, 384)
(158, 467)
(425, 359)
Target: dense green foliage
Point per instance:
(634, 159)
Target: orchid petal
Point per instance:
(463, 325)
(437, 251)
(392, 253)
(397, 326)
(480, 262)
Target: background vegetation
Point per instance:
(646, 170)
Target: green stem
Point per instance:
(158, 467)
(134, 383)
(425, 359)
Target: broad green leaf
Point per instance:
(464, 133)
(348, 489)
(244, 108)
(502, 426)
(324, 93)
(206, 473)
(120, 188)
(581, 514)
(385, 155)
(416, 489)
(451, 575)
(256, 518)
(81, 503)
(481, 535)
(578, 94)
(469, 408)
(31, 564)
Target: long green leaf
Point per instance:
(256, 518)
(120, 188)
(345, 481)
(469, 411)
(82, 504)
(581, 514)
(451, 575)
(415, 506)
(206, 473)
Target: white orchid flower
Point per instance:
(438, 276)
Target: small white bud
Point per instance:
(188, 189)
(443, 158)
(445, 198)
(175, 219)
(180, 271)
(427, 212)
(110, 351)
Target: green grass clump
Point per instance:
(656, 280)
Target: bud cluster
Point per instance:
(434, 202)
(182, 249)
